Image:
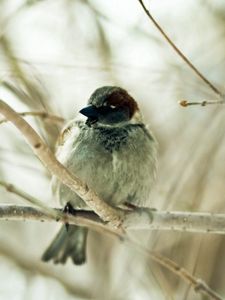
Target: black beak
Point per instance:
(90, 112)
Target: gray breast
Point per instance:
(118, 163)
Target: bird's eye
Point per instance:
(112, 106)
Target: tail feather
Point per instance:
(69, 242)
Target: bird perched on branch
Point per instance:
(113, 152)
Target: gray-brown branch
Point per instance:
(141, 219)
(43, 152)
(178, 51)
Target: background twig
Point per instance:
(178, 51)
(186, 103)
(41, 114)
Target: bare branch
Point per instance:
(147, 219)
(186, 103)
(198, 222)
(106, 212)
(41, 114)
(178, 51)
(197, 284)
(83, 218)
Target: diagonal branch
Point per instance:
(106, 212)
(197, 284)
(178, 51)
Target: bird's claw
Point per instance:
(141, 210)
(68, 209)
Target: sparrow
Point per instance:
(114, 153)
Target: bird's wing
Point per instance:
(67, 138)
(65, 143)
(148, 132)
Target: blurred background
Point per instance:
(53, 55)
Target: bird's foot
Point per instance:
(140, 210)
(68, 209)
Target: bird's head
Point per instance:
(112, 106)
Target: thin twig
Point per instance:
(14, 212)
(178, 51)
(41, 114)
(186, 103)
(108, 213)
(197, 284)
(40, 204)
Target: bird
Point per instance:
(112, 150)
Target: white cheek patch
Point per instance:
(137, 118)
(65, 150)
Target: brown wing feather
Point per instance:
(64, 134)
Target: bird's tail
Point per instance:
(69, 242)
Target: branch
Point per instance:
(41, 206)
(186, 103)
(82, 218)
(178, 51)
(106, 212)
(138, 219)
(198, 222)
(147, 219)
(13, 212)
(41, 114)
(197, 284)
(46, 213)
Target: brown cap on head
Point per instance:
(113, 96)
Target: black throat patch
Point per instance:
(112, 139)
